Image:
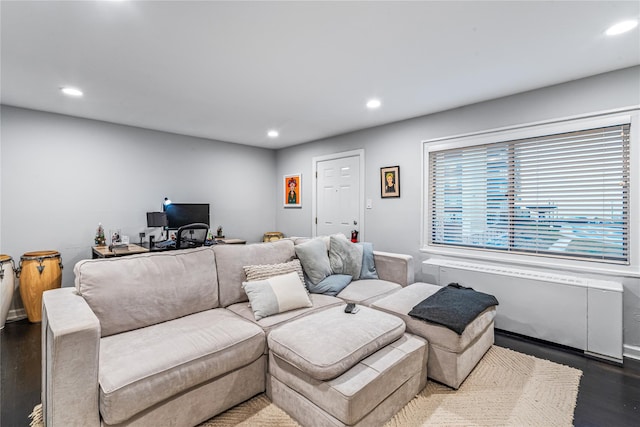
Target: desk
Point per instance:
(219, 240)
(231, 241)
(104, 252)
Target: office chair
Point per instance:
(191, 235)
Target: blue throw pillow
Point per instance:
(330, 285)
(368, 270)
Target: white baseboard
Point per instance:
(632, 351)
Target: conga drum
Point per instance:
(7, 286)
(38, 272)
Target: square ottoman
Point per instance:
(452, 357)
(337, 369)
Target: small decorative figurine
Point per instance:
(354, 233)
(100, 239)
(219, 231)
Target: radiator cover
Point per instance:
(582, 313)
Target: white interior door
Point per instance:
(338, 195)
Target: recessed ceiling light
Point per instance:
(622, 27)
(71, 91)
(273, 134)
(373, 103)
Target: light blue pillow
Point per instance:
(314, 259)
(368, 263)
(331, 285)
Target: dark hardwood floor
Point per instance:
(20, 372)
(609, 394)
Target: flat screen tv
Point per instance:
(179, 214)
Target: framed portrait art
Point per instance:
(390, 181)
(292, 185)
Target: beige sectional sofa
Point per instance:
(169, 339)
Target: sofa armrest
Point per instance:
(70, 350)
(397, 268)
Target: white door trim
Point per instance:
(314, 192)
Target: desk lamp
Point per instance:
(166, 203)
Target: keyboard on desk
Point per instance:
(165, 244)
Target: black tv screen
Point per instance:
(179, 214)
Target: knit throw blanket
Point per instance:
(453, 306)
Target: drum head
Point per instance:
(39, 254)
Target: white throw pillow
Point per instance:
(276, 295)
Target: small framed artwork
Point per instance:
(390, 181)
(116, 238)
(292, 191)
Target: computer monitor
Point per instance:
(157, 219)
(180, 214)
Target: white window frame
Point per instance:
(626, 115)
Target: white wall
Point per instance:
(395, 224)
(61, 176)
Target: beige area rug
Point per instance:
(507, 388)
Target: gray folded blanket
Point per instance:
(453, 306)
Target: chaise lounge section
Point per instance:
(452, 356)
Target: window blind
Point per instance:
(563, 195)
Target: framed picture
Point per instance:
(116, 238)
(292, 185)
(390, 181)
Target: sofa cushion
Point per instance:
(401, 302)
(367, 291)
(231, 258)
(320, 302)
(314, 258)
(146, 366)
(123, 292)
(346, 339)
(337, 265)
(276, 295)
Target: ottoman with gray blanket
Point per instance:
(452, 355)
(332, 368)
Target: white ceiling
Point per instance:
(232, 70)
